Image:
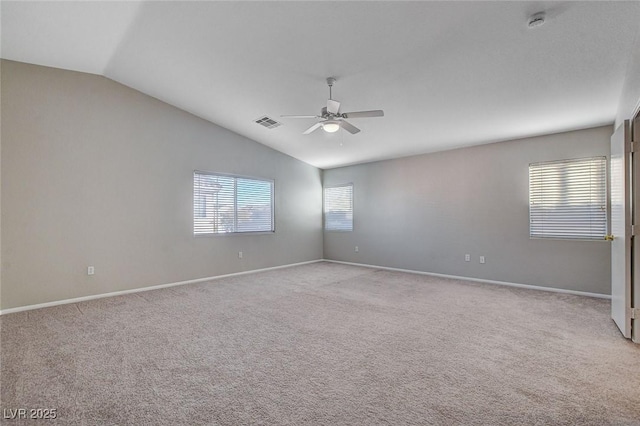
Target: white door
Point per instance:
(620, 181)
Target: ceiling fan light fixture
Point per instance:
(331, 126)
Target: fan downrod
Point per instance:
(330, 81)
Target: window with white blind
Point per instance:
(338, 208)
(225, 204)
(568, 199)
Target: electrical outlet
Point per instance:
(91, 270)
(357, 249)
(239, 255)
(467, 258)
(481, 259)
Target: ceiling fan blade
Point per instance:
(333, 106)
(361, 114)
(312, 128)
(349, 127)
(300, 116)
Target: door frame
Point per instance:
(635, 220)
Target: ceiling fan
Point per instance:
(331, 119)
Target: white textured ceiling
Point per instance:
(447, 74)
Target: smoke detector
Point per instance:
(536, 20)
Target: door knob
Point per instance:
(609, 237)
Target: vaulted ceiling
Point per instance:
(446, 74)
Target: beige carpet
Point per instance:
(324, 344)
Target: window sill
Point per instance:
(227, 234)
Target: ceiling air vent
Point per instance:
(268, 122)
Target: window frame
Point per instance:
(324, 212)
(605, 198)
(272, 182)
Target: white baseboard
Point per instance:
(141, 289)
(505, 283)
(198, 280)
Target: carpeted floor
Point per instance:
(325, 344)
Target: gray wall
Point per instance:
(426, 212)
(95, 173)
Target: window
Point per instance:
(338, 208)
(568, 199)
(225, 204)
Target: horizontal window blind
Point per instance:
(568, 199)
(338, 208)
(229, 204)
(254, 200)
